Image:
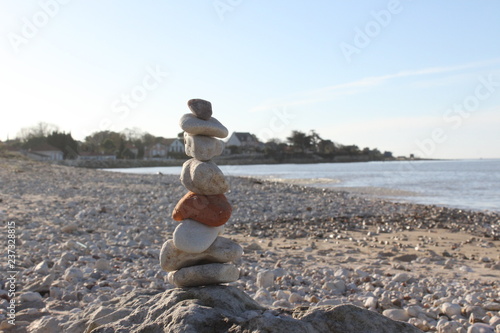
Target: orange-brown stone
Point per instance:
(212, 210)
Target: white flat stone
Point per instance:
(222, 250)
(202, 147)
(195, 237)
(203, 177)
(202, 275)
(211, 127)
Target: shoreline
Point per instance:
(87, 236)
(220, 160)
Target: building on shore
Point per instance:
(44, 152)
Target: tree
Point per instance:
(300, 141)
(65, 142)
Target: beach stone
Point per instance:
(222, 250)
(202, 275)
(102, 265)
(203, 177)
(492, 306)
(449, 327)
(212, 210)
(406, 257)
(69, 228)
(30, 296)
(194, 237)
(200, 108)
(202, 147)
(401, 277)
(211, 127)
(396, 314)
(265, 279)
(46, 324)
(481, 328)
(451, 309)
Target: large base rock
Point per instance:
(227, 309)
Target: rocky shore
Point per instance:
(85, 237)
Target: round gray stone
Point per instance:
(200, 108)
(211, 127)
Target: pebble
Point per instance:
(396, 314)
(69, 228)
(200, 108)
(222, 250)
(265, 279)
(401, 277)
(203, 177)
(450, 309)
(46, 324)
(30, 297)
(195, 126)
(102, 265)
(73, 274)
(201, 275)
(195, 237)
(481, 328)
(492, 306)
(212, 210)
(202, 147)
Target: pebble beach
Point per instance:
(84, 237)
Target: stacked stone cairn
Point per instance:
(197, 255)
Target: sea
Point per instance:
(464, 184)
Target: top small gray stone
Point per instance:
(200, 108)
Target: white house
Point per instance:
(244, 140)
(45, 152)
(175, 146)
(163, 148)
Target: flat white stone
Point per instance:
(211, 127)
(202, 147)
(202, 275)
(203, 177)
(194, 237)
(222, 250)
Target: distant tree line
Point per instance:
(132, 144)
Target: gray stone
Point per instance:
(223, 309)
(195, 237)
(211, 127)
(265, 279)
(200, 108)
(396, 314)
(202, 147)
(481, 328)
(222, 250)
(203, 275)
(203, 177)
(30, 296)
(46, 324)
(406, 257)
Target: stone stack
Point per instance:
(197, 255)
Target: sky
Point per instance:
(410, 77)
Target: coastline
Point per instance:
(68, 218)
(249, 159)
